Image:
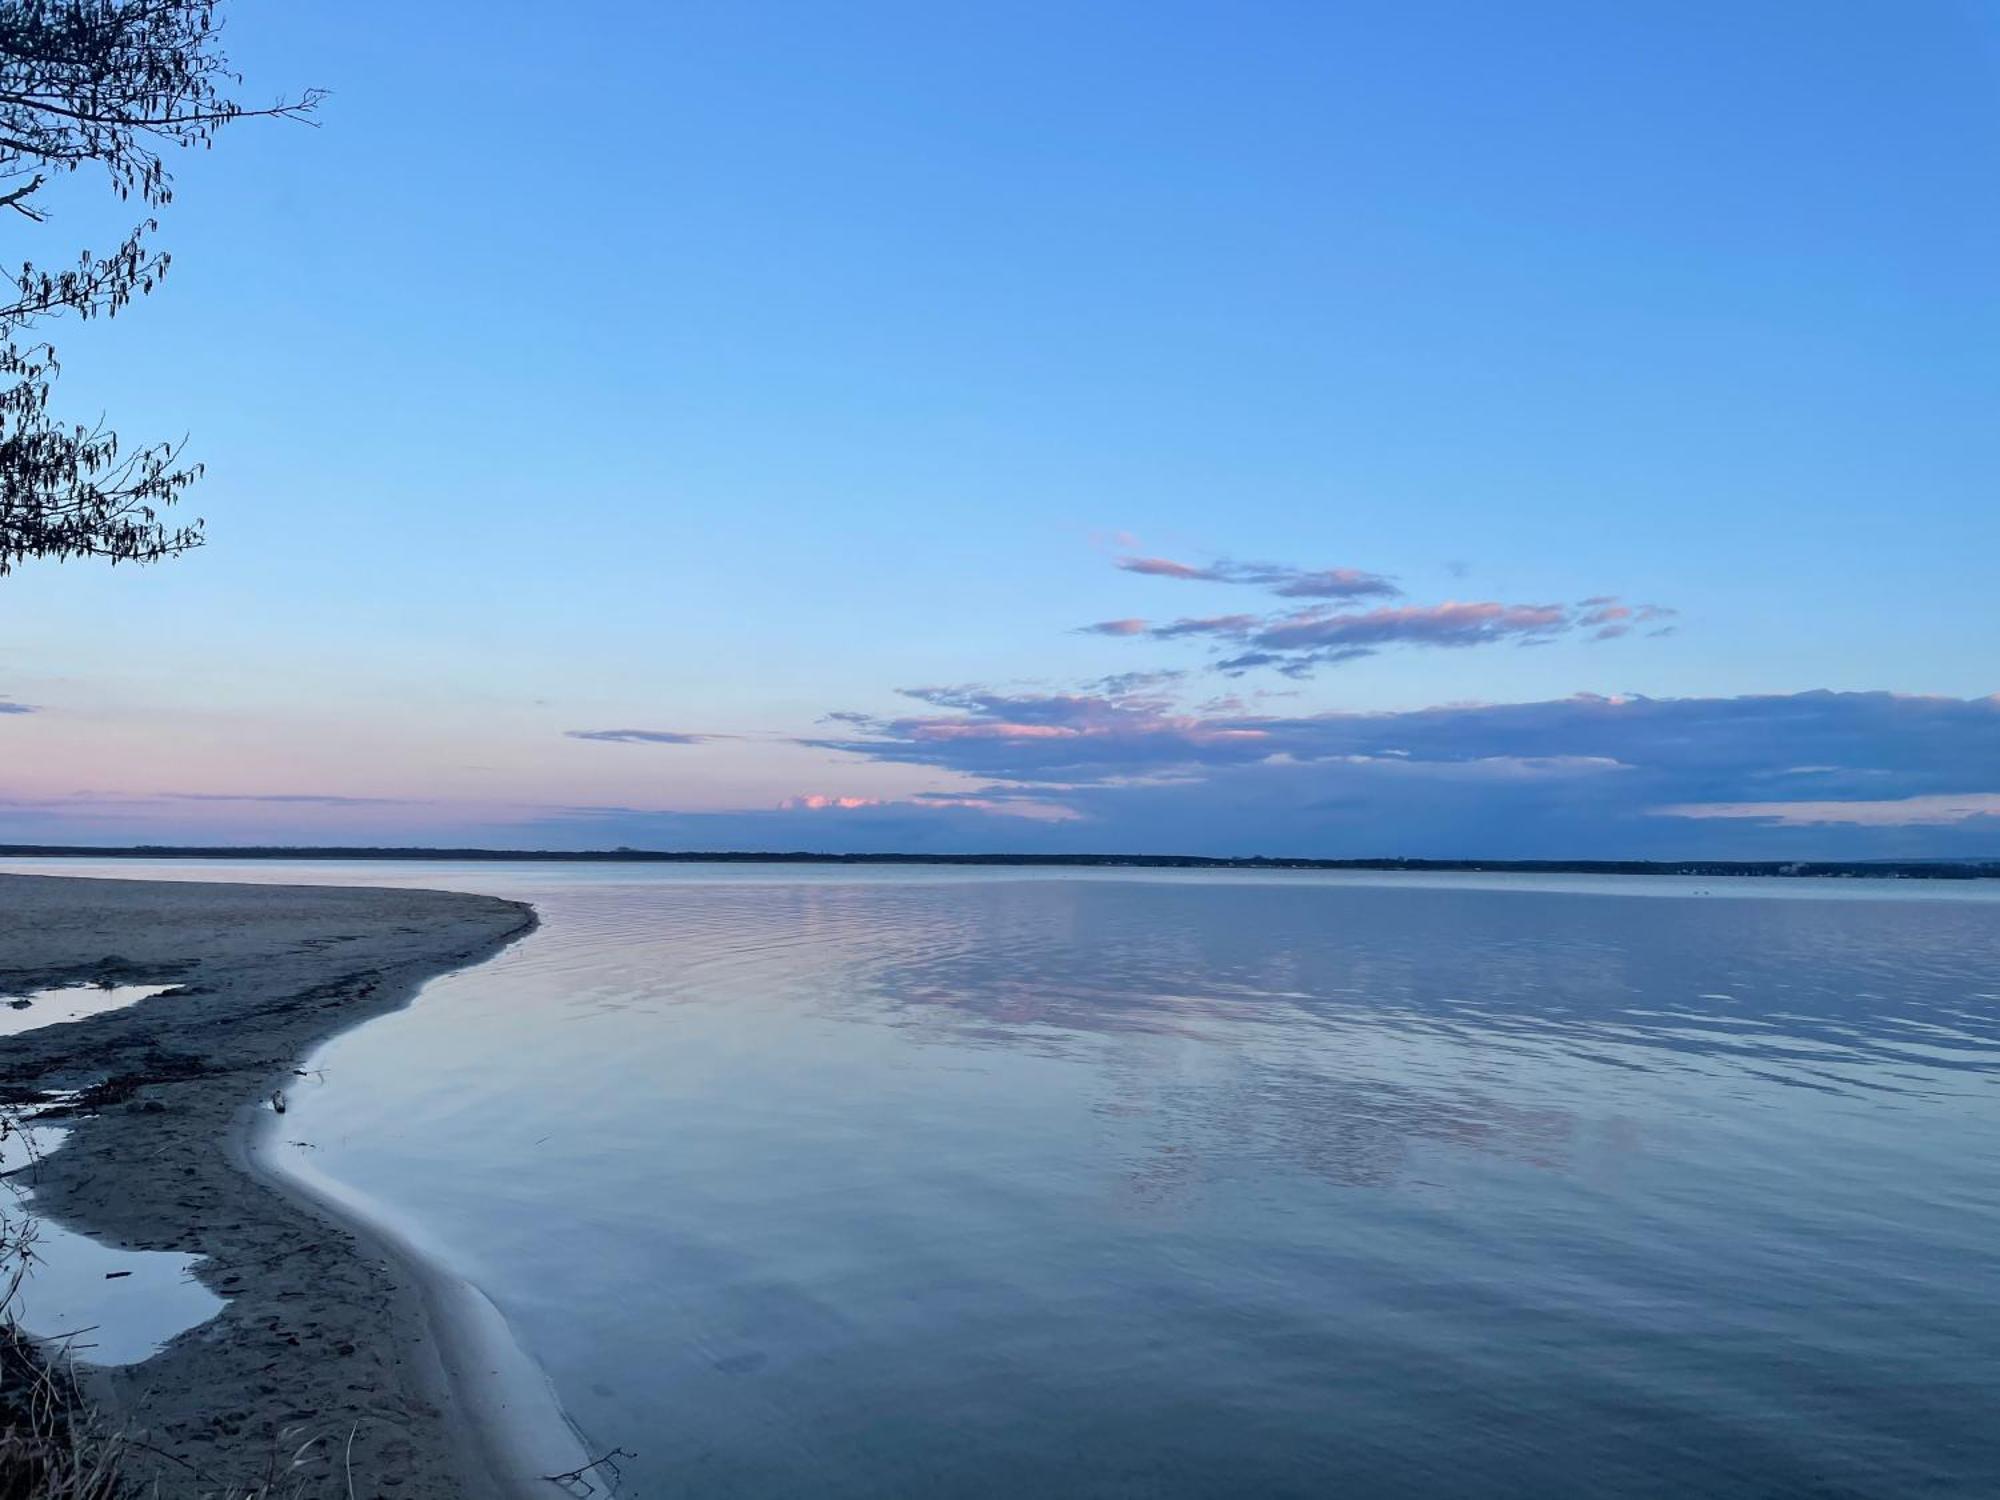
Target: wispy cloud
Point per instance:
(1934, 811)
(1450, 624)
(162, 799)
(1301, 641)
(1129, 684)
(1010, 801)
(998, 801)
(1607, 617)
(296, 799)
(9, 706)
(1346, 621)
(642, 736)
(1236, 627)
(1286, 582)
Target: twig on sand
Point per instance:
(574, 1477)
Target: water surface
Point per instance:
(992, 1183)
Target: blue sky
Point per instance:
(705, 370)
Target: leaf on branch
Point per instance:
(115, 83)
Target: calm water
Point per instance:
(902, 1183)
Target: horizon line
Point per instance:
(1939, 867)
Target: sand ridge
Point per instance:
(324, 1333)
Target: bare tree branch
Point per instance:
(116, 83)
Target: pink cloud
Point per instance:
(1286, 582)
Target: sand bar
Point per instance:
(329, 1327)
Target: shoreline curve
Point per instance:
(339, 1340)
(515, 1432)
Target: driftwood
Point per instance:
(573, 1479)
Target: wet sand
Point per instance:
(330, 1332)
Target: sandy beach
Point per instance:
(327, 1331)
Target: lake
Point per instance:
(1012, 1182)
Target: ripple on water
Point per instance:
(1203, 1187)
(847, 1183)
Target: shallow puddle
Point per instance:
(105, 1305)
(69, 1002)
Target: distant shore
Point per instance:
(329, 1327)
(1859, 869)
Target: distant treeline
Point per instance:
(1921, 869)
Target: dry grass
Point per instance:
(49, 1449)
(49, 1446)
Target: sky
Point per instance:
(1394, 427)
